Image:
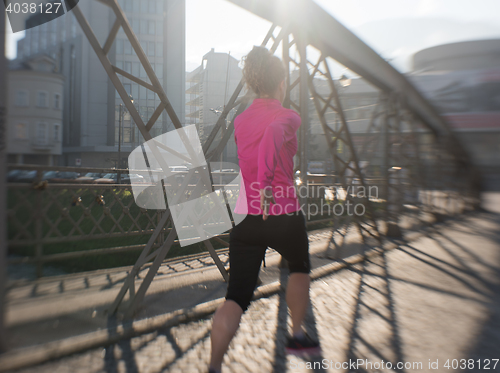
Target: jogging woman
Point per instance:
(265, 134)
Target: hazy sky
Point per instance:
(394, 28)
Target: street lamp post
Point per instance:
(120, 128)
(343, 82)
(119, 165)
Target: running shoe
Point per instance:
(304, 346)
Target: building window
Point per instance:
(22, 98)
(151, 95)
(21, 132)
(128, 88)
(144, 45)
(151, 110)
(126, 134)
(151, 27)
(135, 91)
(142, 72)
(135, 69)
(136, 25)
(144, 26)
(152, 6)
(127, 47)
(119, 46)
(42, 99)
(151, 48)
(57, 132)
(41, 133)
(57, 101)
(159, 70)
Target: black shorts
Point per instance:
(248, 242)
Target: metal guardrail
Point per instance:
(42, 213)
(45, 213)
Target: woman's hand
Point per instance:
(266, 198)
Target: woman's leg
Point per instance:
(226, 322)
(297, 298)
(288, 235)
(245, 258)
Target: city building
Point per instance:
(35, 115)
(209, 88)
(91, 113)
(463, 81)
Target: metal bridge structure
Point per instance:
(407, 149)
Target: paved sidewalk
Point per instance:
(434, 300)
(76, 304)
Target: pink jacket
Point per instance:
(265, 134)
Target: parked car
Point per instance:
(112, 178)
(179, 172)
(224, 176)
(12, 175)
(61, 176)
(89, 177)
(132, 178)
(22, 176)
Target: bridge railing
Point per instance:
(54, 221)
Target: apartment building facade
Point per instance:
(91, 114)
(34, 120)
(210, 87)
